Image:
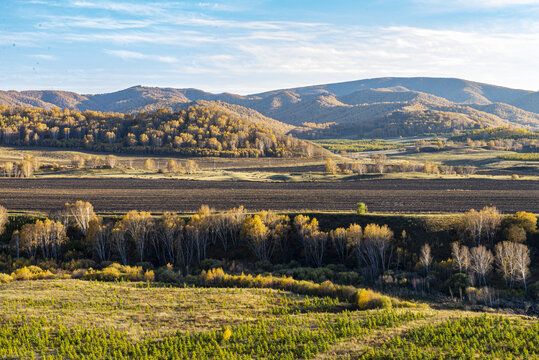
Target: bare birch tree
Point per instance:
(138, 225)
(425, 257)
(481, 263)
(461, 256)
(81, 213)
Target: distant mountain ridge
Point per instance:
(371, 107)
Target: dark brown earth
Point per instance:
(111, 195)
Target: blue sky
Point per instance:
(246, 46)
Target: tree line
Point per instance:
(490, 241)
(197, 131)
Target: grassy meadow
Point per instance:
(77, 319)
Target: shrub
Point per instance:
(457, 282)
(79, 264)
(115, 272)
(31, 273)
(361, 208)
(208, 264)
(227, 334)
(167, 275)
(149, 275)
(363, 299)
(5, 278)
(367, 299)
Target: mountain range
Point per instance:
(381, 107)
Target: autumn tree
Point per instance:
(112, 161)
(425, 257)
(482, 224)
(526, 220)
(522, 263)
(481, 263)
(361, 208)
(173, 166)
(380, 161)
(513, 260)
(338, 240)
(278, 226)
(149, 165)
(377, 247)
(9, 169)
(80, 212)
(234, 222)
(198, 232)
(313, 240)
(3, 219)
(257, 235)
(461, 256)
(504, 257)
(138, 225)
(169, 232)
(191, 167)
(29, 238)
(331, 167)
(359, 168)
(47, 235)
(77, 161)
(27, 168)
(99, 235)
(354, 241)
(516, 233)
(119, 240)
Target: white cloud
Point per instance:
(43, 56)
(106, 23)
(133, 55)
(437, 5)
(250, 56)
(151, 8)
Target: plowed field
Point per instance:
(109, 195)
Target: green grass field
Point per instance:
(75, 319)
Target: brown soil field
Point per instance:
(383, 195)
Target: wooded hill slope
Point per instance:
(381, 107)
(197, 130)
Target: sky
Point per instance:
(249, 46)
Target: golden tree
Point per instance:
(338, 240)
(354, 240)
(257, 235)
(80, 212)
(3, 219)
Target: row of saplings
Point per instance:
(184, 243)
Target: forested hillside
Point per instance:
(358, 109)
(198, 130)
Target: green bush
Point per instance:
(166, 274)
(457, 282)
(361, 208)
